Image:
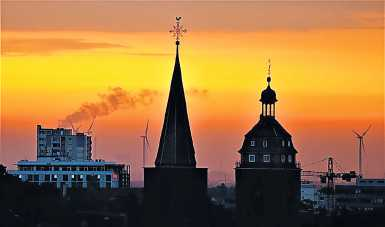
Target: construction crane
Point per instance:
(328, 178)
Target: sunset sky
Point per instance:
(327, 69)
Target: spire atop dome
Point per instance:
(269, 72)
(176, 147)
(268, 96)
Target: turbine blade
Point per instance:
(92, 124)
(72, 125)
(363, 134)
(148, 144)
(145, 133)
(358, 135)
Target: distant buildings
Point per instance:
(64, 159)
(366, 194)
(267, 176)
(61, 144)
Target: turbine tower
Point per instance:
(361, 148)
(146, 144)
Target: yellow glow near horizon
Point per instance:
(319, 75)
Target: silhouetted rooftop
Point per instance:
(176, 147)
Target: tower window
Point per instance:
(251, 158)
(264, 143)
(266, 158)
(252, 143)
(288, 143)
(289, 158)
(283, 158)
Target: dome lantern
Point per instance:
(268, 97)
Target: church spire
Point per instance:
(176, 147)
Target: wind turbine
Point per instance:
(74, 130)
(146, 144)
(89, 132)
(361, 148)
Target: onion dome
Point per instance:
(268, 95)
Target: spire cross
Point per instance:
(178, 30)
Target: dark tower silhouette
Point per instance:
(267, 176)
(175, 191)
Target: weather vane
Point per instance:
(269, 71)
(178, 30)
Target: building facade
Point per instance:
(367, 194)
(73, 174)
(62, 144)
(65, 160)
(267, 175)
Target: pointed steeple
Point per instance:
(176, 147)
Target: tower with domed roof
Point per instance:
(267, 176)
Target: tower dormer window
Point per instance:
(283, 158)
(251, 158)
(264, 143)
(289, 158)
(252, 143)
(266, 158)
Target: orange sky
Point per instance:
(327, 68)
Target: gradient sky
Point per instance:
(327, 69)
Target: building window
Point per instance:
(251, 158)
(36, 178)
(264, 143)
(288, 143)
(47, 178)
(266, 158)
(289, 158)
(252, 143)
(283, 158)
(283, 143)
(108, 177)
(65, 177)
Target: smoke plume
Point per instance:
(115, 99)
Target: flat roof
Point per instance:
(67, 163)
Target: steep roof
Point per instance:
(268, 127)
(176, 147)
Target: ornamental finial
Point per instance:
(178, 30)
(269, 71)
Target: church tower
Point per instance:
(267, 176)
(175, 191)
